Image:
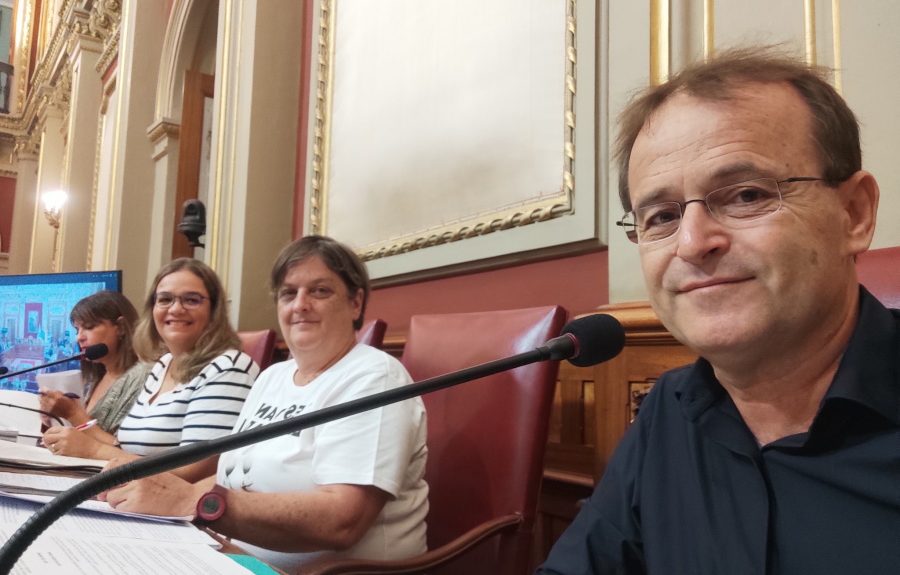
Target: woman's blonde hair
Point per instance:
(115, 308)
(217, 338)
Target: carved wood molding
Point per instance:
(642, 326)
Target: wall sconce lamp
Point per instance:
(53, 204)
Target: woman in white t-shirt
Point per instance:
(354, 486)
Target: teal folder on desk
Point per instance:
(252, 564)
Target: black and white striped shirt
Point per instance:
(204, 408)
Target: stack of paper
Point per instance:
(42, 488)
(21, 411)
(18, 456)
(84, 542)
(9, 433)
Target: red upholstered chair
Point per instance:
(486, 442)
(260, 345)
(372, 333)
(879, 271)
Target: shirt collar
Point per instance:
(868, 374)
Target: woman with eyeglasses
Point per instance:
(112, 382)
(353, 487)
(200, 378)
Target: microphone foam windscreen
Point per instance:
(600, 338)
(95, 351)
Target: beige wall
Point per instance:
(258, 71)
(858, 38)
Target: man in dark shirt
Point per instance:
(778, 452)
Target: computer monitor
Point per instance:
(34, 320)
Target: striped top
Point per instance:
(204, 408)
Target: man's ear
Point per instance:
(861, 206)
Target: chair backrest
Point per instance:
(486, 438)
(260, 345)
(372, 333)
(879, 271)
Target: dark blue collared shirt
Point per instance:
(690, 491)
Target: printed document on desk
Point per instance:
(100, 526)
(43, 488)
(39, 458)
(67, 555)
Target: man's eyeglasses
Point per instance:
(732, 206)
(190, 300)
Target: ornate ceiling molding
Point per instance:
(51, 84)
(61, 89)
(106, 17)
(21, 61)
(26, 148)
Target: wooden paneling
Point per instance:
(197, 87)
(593, 408)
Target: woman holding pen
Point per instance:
(111, 382)
(354, 486)
(198, 381)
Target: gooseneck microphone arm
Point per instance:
(91, 352)
(33, 410)
(41, 366)
(563, 347)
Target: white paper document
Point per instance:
(65, 381)
(66, 555)
(36, 484)
(20, 410)
(16, 454)
(43, 488)
(92, 505)
(86, 524)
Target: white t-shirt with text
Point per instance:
(384, 447)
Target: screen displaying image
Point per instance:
(34, 320)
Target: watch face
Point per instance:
(211, 506)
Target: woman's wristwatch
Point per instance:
(211, 505)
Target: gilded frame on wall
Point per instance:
(369, 185)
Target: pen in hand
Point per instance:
(68, 394)
(86, 425)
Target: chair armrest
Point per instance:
(428, 560)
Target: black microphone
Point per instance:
(3, 369)
(587, 340)
(91, 352)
